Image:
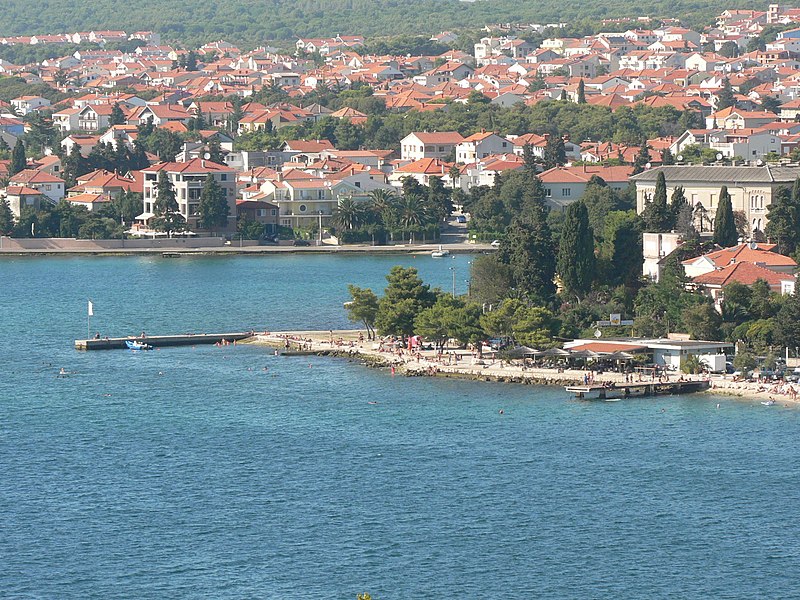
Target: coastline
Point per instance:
(182, 248)
(346, 344)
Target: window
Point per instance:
(566, 192)
(261, 212)
(224, 177)
(303, 208)
(548, 192)
(273, 211)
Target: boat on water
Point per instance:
(134, 345)
(440, 253)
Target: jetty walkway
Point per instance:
(158, 341)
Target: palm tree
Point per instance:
(412, 212)
(383, 203)
(349, 214)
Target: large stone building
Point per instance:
(751, 189)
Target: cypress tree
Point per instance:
(18, 159)
(213, 207)
(725, 233)
(167, 216)
(576, 260)
(528, 250)
(581, 92)
(657, 215)
(6, 217)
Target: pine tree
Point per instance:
(18, 160)
(581, 92)
(782, 221)
(165, 209)
(725, 97)
(642, 158)
(656, 215)
(213, 208)
(117, 117)
(725, 233)
(576, 260)
(191, 61)
(74, 166)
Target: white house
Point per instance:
(480, 145)
(418, 145)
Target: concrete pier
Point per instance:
(159, 341)
(627, 390)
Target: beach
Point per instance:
(463, 363)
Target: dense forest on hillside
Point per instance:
(250, 22)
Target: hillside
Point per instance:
(249, 22)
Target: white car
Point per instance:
(495, 244)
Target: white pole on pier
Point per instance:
(89, 314)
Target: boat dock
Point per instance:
(160, 341)
(629, 390)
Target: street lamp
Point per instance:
(319, 243)
(453, 269)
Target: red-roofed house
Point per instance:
(480, 145)
(564, 185)
(745, 273)
(187, 179)
(762, 255)
(49, 185)
(20, 197)
(419, 145)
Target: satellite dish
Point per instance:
(207, 155)
(760, 162)
(597, 333)
(719, 155)
(680, 157)
(647, 166)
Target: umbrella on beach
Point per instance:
(522, 351)
(554, 352)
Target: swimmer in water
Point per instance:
(63, 371)
(502, 412)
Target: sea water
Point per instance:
(205, 472)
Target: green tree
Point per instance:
(117, 117)
(656, 215)
(530, 325)
(363, 308)
(490, 279)
(621, 250)
(529, 251)
(127, 206)
(576, 260)
(642, 158)
(702, 321)
(783, 225)
(18, 160)
(581, 92)
(555, 153)
(404, 298)
(167, 216)
(725, 233)
(787, 323)
(213, 208)
(6, 217)
(725, 97)
(349, 214)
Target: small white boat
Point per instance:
(134, 345)
(440, 253)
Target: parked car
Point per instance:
(302, 243)
(461, 219)
(495, 244)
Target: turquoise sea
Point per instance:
(195, 473)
